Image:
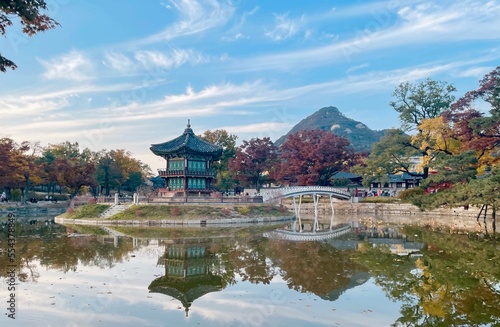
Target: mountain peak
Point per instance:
(330, 118)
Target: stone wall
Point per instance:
(32, 211)
(398, 213)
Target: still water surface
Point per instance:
(237, 277)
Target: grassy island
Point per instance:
(178, 212)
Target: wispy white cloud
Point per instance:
(357, 67)
(236, 32)
(258, 128)
(194, 17)
(42, 101)
(118, 61)
(284, 28)
(175, 58)
(211, 100)
(423, 24)
(476, 72)
(73, 66)
(235, 37)
(272, 129)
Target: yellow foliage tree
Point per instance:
(435, 136)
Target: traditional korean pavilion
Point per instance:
(188, 163)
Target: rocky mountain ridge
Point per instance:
(331, 119)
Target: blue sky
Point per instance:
(122, 74)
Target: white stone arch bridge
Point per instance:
(298, 192)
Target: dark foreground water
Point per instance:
(222, 277)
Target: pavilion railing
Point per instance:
(186, 172)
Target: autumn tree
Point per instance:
(465, 146)
(220, 137)
(253, 161)
(48, 170)
(474, 166)
(73, 168)
(10, 165)
(106, 172)
(420, 107)
(31, 17)
(117, 169)
(477, 130)
(416, 102)
(29, 165)
(390, 155)
(311, 157)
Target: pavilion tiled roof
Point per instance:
(188, 142)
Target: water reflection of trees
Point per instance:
(315, 267)
(197, 266)
(249, 261)
(49, 245)
(455, 282)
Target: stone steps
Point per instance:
(114, 209)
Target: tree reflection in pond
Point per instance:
(454, 282)
(316, 267)
(50, 245)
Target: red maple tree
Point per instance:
(311, 157)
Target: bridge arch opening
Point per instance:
(298, 192)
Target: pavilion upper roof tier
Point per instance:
(186, 143)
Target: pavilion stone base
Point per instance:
(165, 195)
(213, 198)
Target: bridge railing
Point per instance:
(285, 192)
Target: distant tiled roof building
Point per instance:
(403, 180)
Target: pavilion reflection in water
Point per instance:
(188, 274)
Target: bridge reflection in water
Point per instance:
(297, 193)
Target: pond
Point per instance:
(238, 277)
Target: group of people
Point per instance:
(4, 198)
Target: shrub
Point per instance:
(226, 211)
(70, 210)
(175, 211)
(410, 193)
(244, 210)
(282, 209)
(16, 195)
(138, 213)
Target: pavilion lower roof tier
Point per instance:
(187, 143)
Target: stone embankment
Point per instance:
(224, 222)
(32, 211)
(399, 213)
